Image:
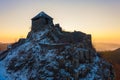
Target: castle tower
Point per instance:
(40, 20)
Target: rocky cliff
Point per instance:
(48, 53)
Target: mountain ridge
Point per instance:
(114, 58)
(48, 53)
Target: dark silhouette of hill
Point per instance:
(3, 46)
(114, 58)
(112, 55)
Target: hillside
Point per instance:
(3, 46)
(49, 53)
(102, 46)
(114, 58)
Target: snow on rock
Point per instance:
(48, 53)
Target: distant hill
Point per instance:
(112, 55)
(3, 46)
(100, 46)
(114, 58)
(115, 55)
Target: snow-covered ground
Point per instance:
(40, 58)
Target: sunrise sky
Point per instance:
(101, 18)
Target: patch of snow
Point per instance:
(39, 35)
(81, 49)
(49, 78)
(14, 52)
(81, 67)
(59, 57)
(49, 73)
(93, 73)
(53, 64)
(96, 59)
(3, 74)
(68, 64)
(45, 41)
(50, 53)
(63, 72)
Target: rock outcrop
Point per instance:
(48, 53)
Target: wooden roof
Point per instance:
(42, 15)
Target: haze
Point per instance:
(100, 18)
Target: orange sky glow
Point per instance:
(100, 18)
